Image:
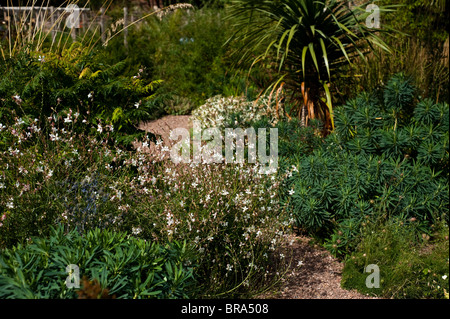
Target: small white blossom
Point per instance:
(136, 230)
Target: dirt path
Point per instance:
(318, 276)
(164, 125)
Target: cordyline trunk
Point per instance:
(314, 108)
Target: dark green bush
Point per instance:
(126, 266)
(388, 155)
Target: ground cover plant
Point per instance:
(413, 264)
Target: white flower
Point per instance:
(136, 105)
(291, 192)
(10, 204)
(90, 95)
(136, 230)
(67, 119)
(300, 263)
(54, 137)
(99, 128)
(444, 277)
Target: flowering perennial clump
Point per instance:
(218, 110)
(228, 214)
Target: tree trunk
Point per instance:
(315, 108)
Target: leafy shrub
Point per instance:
(383, 157)
(38, 86)
(186, 49)
(229, 214)
(126, 266)
(395, 127)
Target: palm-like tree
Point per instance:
(311, 40)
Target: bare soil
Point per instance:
(314, 274)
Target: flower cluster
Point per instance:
(218, 110)
(230, 213)
(52, 173)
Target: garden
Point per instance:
(352, 100)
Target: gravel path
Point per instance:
(318, 277)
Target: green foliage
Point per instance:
(228, 214)
(413, 265)
(294, 140)
(308, 41)
(185, 48)
(37, 86)
(419, 49)
(395, 126)
(425, 20)
(126, 266)
(380, 159)
(308, 36)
